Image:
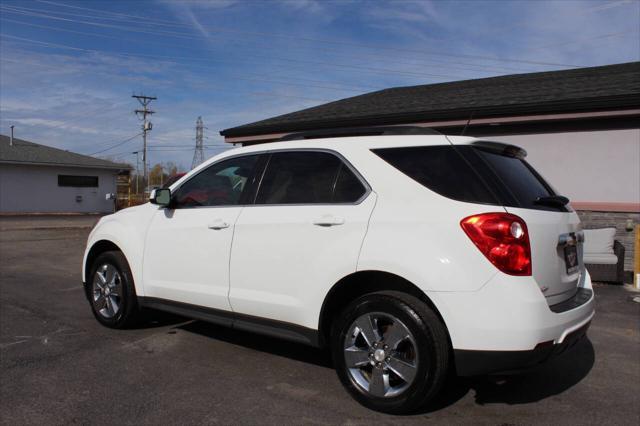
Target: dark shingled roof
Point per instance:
(24, 152)
(583, 89)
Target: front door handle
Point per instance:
(328, 220)
(218, 224)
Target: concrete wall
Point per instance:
(601, 166)
(35, 189)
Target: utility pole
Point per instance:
(198, 154)
(137, 172)
(146, 126)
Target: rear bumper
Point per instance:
(508, 324)
(472, 363)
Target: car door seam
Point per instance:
(366, 231)
(233, 234)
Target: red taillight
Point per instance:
(503, 238)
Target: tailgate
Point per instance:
(556, 251)
(554, 228)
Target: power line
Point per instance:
(414, 62)
(163, 59)
(358, 68)
(179, 64)
(217, 88)
(297, 38)
(360, 86)
(582, 40)
(326, 41)
(116, 145)
(165, 22)
(15, 9)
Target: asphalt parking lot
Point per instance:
(58, 365)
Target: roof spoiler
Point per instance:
(501, 148)
(360, 131)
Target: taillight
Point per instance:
(503, 238)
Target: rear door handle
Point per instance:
(328, 220)
(218, 224)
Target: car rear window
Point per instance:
(519, 178)
(472, 174)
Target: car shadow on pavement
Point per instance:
(271, 345)
(154, 319)
(549, 379)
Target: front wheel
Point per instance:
(111, 291)
(391, 351)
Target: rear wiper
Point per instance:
(552, 200)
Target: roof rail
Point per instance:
(360, 131)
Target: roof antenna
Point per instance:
(467, 125)
(11, 139)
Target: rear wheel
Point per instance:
(391, 351)
(111, 291)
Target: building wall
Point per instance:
(599, 166)
(29, 189)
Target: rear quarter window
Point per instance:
(519, 178)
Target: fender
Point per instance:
(129, 235)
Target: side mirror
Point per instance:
(160, 196)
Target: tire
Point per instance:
(406, 373)
(111, 291)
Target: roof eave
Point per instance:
(80, 166)
(600, 103)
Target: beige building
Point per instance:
(580, 127)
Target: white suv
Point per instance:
(409, 256)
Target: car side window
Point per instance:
(308, 177)
(221, 184)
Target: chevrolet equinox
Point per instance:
(408, 256)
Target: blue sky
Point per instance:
(68, 68)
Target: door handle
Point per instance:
(218, 224)
(328, 220)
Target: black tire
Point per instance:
(428, 334)
(127, 313)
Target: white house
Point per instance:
(36, 178)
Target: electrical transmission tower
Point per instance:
(146, 127)
(198, 154)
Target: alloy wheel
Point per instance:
(107, 291)
(380, 354)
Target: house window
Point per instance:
(78, 181)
